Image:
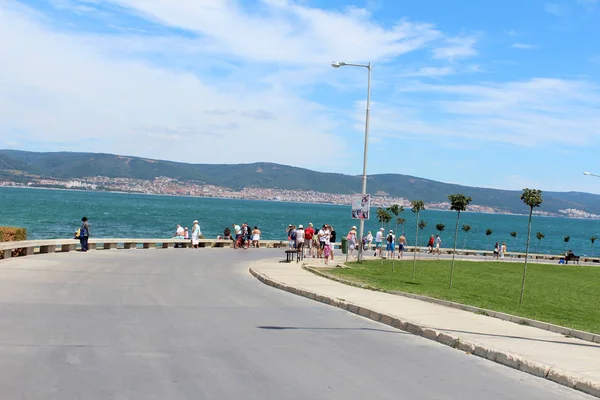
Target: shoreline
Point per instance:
(286, 201)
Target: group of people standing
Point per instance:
(389, 241)
(313, 243)
(245, 232)
(184, 233)
(499, 250)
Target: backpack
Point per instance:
(78, 233)
(390, 239)
(293, 235)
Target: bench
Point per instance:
(572, 257)
(290, 254)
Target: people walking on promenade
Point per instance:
(401, 245)
(300, 237)
(332, 237)
(496, 250)
(316, 243)
(84, 234)
(322, 239)
(308, 241)
(195, 234)
(351, 241)
(237, 230)
(430, 244)
(288, 232)
(503, 250)
(327, 244)
(256, 237)
(368, 241)
(390, 248)
(438, 244)
(378, 242)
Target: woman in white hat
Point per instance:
(195, 234)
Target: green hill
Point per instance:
(65, 165)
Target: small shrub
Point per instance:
(12, 234)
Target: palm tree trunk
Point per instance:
(415, 247)
(393, 256)
(526, 256)
(454, 249)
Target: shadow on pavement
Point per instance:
(520, 337)
(284, 328)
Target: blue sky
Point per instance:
(491, 93)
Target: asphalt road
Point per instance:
(194, 324)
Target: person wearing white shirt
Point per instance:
(179, 234)
(237, 229)
(378, 241)
(195, 234)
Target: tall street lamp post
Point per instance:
(337, 64)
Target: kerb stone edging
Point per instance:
(500, 357)
(587, 336)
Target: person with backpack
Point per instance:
(293, 236)
(391, 240)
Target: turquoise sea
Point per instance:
(57, 213)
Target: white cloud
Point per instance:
(557, 9)
(522, 46)
(456, 47)
(287, 32)
(430, 72)
(156, 93)
(540, 112)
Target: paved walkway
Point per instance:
(568, 361)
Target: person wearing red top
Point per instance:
(308, 236)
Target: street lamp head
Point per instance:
(586, 173)
(337, 64)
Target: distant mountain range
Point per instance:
(21, 165)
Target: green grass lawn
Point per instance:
(560, 294)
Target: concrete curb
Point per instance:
(500, 357)
(587, 336)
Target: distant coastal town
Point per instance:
(174, 187)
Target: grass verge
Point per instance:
(561, 295)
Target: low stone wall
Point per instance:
(30, 247)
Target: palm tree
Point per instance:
(514, 236)
(458, 202)
(384, 217)
(566, 239)
(593, 239)
(395, 209)
(488, 233)
(539, 237)
(440, 229)
(422, 226)
(533, 198)
(416, 206)
(466, 229)
(400, 221)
